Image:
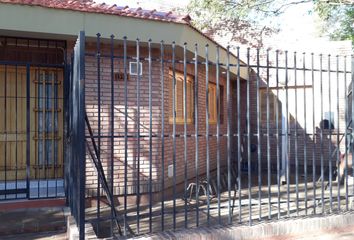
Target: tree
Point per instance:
(242, 21)
(250, 21)
(337, 19)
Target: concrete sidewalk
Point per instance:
(345, 233)
(32, 220)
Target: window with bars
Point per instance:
(47, 116)
(179, 97)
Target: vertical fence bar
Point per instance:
(28, 129)
(5, 125)
(268, 145)
(56, 128)
(52, 100)
(305, 129)
(249, 140)
(16, 127)
(321, 135)
(218, 131)
(338, 147)
(68, 84)
(44, 163)
(346, 133)
(81, 153)
(54, 97)
(313, 135)
(174, 130)
(51, 110)
(277, 130)
(81, 127)
(259, 142)
(207, 129)
(196, 121)
(125, 133)
(185, 116)
(296, 143)
(330, 134)
(228, 99)
(150, 135)
(162, 73)
(40, 113)
(98, 57)
(138, 134)
(239, 156)
(112, 131)
(352, 113)
(287, 160)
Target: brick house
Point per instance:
(46, 49)
(97, 113)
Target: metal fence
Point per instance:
(31, 100)
(187, 136)
(75, 137)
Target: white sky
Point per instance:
(297, 25)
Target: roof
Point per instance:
(93, 7)
(90, 16)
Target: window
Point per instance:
(179, 97)
(274, 103)
(213, 114)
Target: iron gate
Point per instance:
(31, 118)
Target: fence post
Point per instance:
(81, 134)
(352, 103)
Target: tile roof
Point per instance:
(93, 7)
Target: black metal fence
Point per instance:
(75, 137)
(186, 136)
(31, 118)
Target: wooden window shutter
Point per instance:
(170, 96)
(212, 103)
(179, 95)
(179, 99)
(190, 100)
(263, 105)
(221, 104)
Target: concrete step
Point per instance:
(32, 220)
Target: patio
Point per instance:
(259, 207)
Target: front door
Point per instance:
(31, 132)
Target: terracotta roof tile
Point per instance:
(91, 6)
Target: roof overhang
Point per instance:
(35, 21)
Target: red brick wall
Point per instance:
(119, 156)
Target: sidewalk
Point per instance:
(345, 233)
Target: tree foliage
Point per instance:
(337, 19)
(250, 21)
